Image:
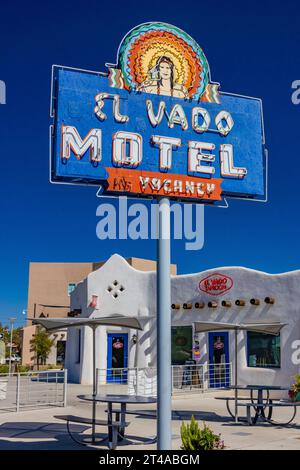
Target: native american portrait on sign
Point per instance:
(162, 80)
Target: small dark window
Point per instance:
(263, 350)
(71, 287)
(182, 344)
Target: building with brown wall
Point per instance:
(49, 290)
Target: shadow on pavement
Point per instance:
(180, 415)
(53, 436)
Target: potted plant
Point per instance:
(294, 392)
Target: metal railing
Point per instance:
(192, 378)
(30, 390)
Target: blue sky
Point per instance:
(252, 50)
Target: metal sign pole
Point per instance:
(164, 403)
(94, 385)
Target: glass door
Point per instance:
(117, 357)
(219, 367)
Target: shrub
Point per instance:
(21, 369)
(294, 392)
(4, 368)
(194, 438)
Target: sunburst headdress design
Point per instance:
(140, 52)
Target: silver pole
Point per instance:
(65, 386)
(11, 337)
(235, 377)
(164, 404)
(18, 393)
(94, 384)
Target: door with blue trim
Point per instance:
(219, 367)
(117, 357)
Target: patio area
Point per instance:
(38, 429)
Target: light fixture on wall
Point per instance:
(187, 306)
(93, 302)
(240, 302)
(199, 305)
(212, 304)
(134, 339)
(270, 300)
(226, 303)
(254, 301)
(175, 306)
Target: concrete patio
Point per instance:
(38, 429)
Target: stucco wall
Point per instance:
(27, 353)
(136, 295)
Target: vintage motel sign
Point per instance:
(155, 125)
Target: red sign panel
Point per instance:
(153, 183)
(118, 345)
(216, 284)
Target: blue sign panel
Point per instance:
(152, 140)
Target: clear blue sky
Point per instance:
(252, 48)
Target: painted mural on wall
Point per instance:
(156, 125)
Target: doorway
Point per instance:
(60, 352)
(219, 367)
(117, 357)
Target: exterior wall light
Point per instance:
(240, 302)
(175, 306)
(226, 303)
(187, 306)
(199, 305)
(270, 300)
(134, 339)
(212, 304)
(254, 301)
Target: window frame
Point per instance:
(271, 366)
(191, 339)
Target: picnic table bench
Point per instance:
(260, 409)
(145, 414)
(113, 429)
(120, 414)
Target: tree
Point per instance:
(16, 339)
(41, 344)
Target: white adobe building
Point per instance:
(118, 288)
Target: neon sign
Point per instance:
(156, 125)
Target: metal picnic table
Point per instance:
(120, 414)
(262, 404)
